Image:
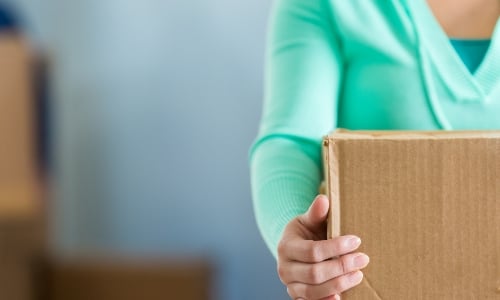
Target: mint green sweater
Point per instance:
(379, 64)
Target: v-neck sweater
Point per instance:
(382, 64)
(471, 51)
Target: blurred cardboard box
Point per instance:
(127, 279)
(20, 213)
(426, 206)
(17, 142)
(17, 151)
(20, 254)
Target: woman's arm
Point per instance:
(303, 74)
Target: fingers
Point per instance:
(327, 289)
(316, 214)
(318, 273)
(310, 251)
(332, 297)
(313, 268)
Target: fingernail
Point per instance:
(336, 297)
(355, 277)
(353, 242)
(360, 260)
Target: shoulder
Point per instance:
(355, 18)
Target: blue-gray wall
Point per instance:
(155, 106)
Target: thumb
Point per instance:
(317, 213)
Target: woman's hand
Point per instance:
(314, 268)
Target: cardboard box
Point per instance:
(127, 279)
(426, 206)
(17, 159)
(20, 252)
(21, 224)
(18, 175)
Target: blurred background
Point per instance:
(124, 169)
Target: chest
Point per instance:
(404, 73)
(468, 19)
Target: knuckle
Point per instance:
(281, 272)
(314, 252)
(309, 291)
(314, 274)
(338, 285)
(291, 289)
(282, 245)
(344, 264)
(337, 246)
(301, 290)
(336, 267)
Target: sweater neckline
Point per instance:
(436, 45)
(471, 51)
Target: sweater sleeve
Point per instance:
(303, 74)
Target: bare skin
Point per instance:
(314, 268)
(305, 263)
(466, 19)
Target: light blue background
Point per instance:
(155, 106)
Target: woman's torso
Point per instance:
(402, 72)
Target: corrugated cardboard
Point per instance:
(426, 206)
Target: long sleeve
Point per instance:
(303, 75)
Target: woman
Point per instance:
(359, 64)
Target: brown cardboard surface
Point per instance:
(127, 279)
(20, 248)
(21, 224)
(19, 202)
(17, 143)
(18, 191)
(426, 206)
